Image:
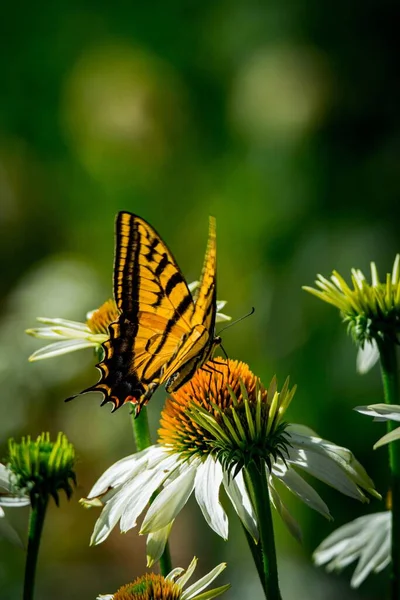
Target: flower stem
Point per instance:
(256, 553)
(36, 522)
(141, 430)
(390, 380)
(257, 485)
(141, 434)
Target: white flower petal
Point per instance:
(146, 483)
(155, 546)
(126, 468)
(389, 437)
(61, 348)
(170, 501)
(381, 412)
(110, 514)
(76, 325)
(237, 493)
(183, 579)
(334, 465)
(207, 484)
(202, 583)
(284, 513)
(367, 357)
(46, 333)
(371, 557)
(222, 317)
(298, 486)
(13, 501)
(105, 597)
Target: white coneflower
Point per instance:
(212, 428)
(170, 587)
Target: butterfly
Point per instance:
(163, 334)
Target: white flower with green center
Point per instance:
(68, 336)
(383, 412)
(9, 498)
(366, 540)
(212, 428)
(170, 587)
(370, 310)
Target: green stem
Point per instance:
(141, 433)
(141, 430)
(256, 553)
(390, 380)
(257, 485)
(36, 522)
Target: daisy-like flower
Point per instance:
(383, 412)
(170, 587)
(366, 540)
(211, 429)
(68, 336)
(371, 310)
(9, 497)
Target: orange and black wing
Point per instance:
(198, 346)
(156, 313)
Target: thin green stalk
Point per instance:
(390, 380)
(141, 430)
(36, 522)
(141, 434)
(256, 553)
(257, 485)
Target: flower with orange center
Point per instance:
(212, 429)
(170, 587)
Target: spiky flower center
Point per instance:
(41, 468)
(149, 587)
(371, 310)
(101, 318)
(225, 411)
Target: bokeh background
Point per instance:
(282, 120)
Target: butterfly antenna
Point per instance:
(237, 321)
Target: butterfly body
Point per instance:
(163, 334)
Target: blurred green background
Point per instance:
(282, 120)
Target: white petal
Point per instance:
(105, 597)
(207, 484)
(193, 285)
(182, 581)
(61, 348)
(222, 317)
(125, 469)
(111, 513)
(45, 333)
(371, 556)
(202, 583)
(283, 512)
(155, 546)
(367, 357)
(15, 501)
(237, 493)
(381, 412)
(298, 486)
(389, 437)
(65, 323)
(170, 501)
(146, 483)
(332, 464)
